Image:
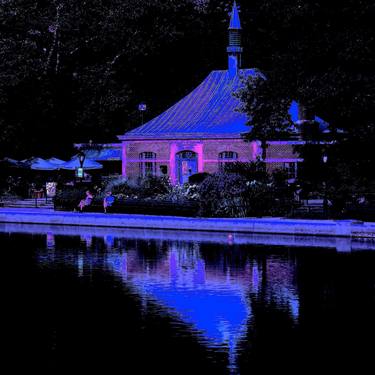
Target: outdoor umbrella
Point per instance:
(56, 161)
(74, 164)
(42, 165)
(8, 162)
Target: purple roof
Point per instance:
(209, 111)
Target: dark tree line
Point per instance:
(322, 55)
(71, 71)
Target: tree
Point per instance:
(268, 114)
(75, 70)
(320, 54)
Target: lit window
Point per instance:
(147, 164)
(227, 156)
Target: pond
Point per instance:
(137, 301)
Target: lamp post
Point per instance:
(81, 159)
(325, 200)
(142, 107)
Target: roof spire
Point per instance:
(234, 49)
(235, 23)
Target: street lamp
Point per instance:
(325, 200)
(142, 107)
(81, 159)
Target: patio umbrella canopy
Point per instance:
(56, 161)
(74, 164)
(42, 165)
(8, 162)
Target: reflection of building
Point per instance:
(202, 285)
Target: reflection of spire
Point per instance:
(200, 272)
(80, 264)
(124, 266)
(255, 278)
(173, 274)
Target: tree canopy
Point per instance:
(322, 55)
(71, 71)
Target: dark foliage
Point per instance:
(320, 54)
(74, 71)
(246, 190)
(198, 178)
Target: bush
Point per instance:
(222, 194)
(152, 186)
(147, 187)
(253, 171)
(180, 193)
(198, 178)
(232, 195)
(69, 197)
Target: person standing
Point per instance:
(108, 200)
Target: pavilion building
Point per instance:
(204, 130)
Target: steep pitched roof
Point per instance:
(209, 111)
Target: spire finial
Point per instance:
(234, 49)
(235, 23)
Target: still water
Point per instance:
(134, 301)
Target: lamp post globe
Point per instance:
(325, 198)
(142, 107)
(81, 158)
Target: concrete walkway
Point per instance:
(336, 228)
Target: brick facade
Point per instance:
(207, 153)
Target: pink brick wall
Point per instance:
(207, 150)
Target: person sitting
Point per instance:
(108, 200)
(87, 201)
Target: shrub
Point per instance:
(232, 195)
(152, 186)
(222, 194)
(70, 196)
(253, 171)
(147, 187)
(198, 178)
(180, 193)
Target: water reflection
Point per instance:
(218, 306)
(203, 285)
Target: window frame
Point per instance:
(147, 164)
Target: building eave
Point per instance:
(180, 136)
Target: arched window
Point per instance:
(147, 164)
(227, 156)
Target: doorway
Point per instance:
(187, 165)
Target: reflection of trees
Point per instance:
(270, 343)
(337, 308)
(149, 252)
(221, 257)
(309, 306)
